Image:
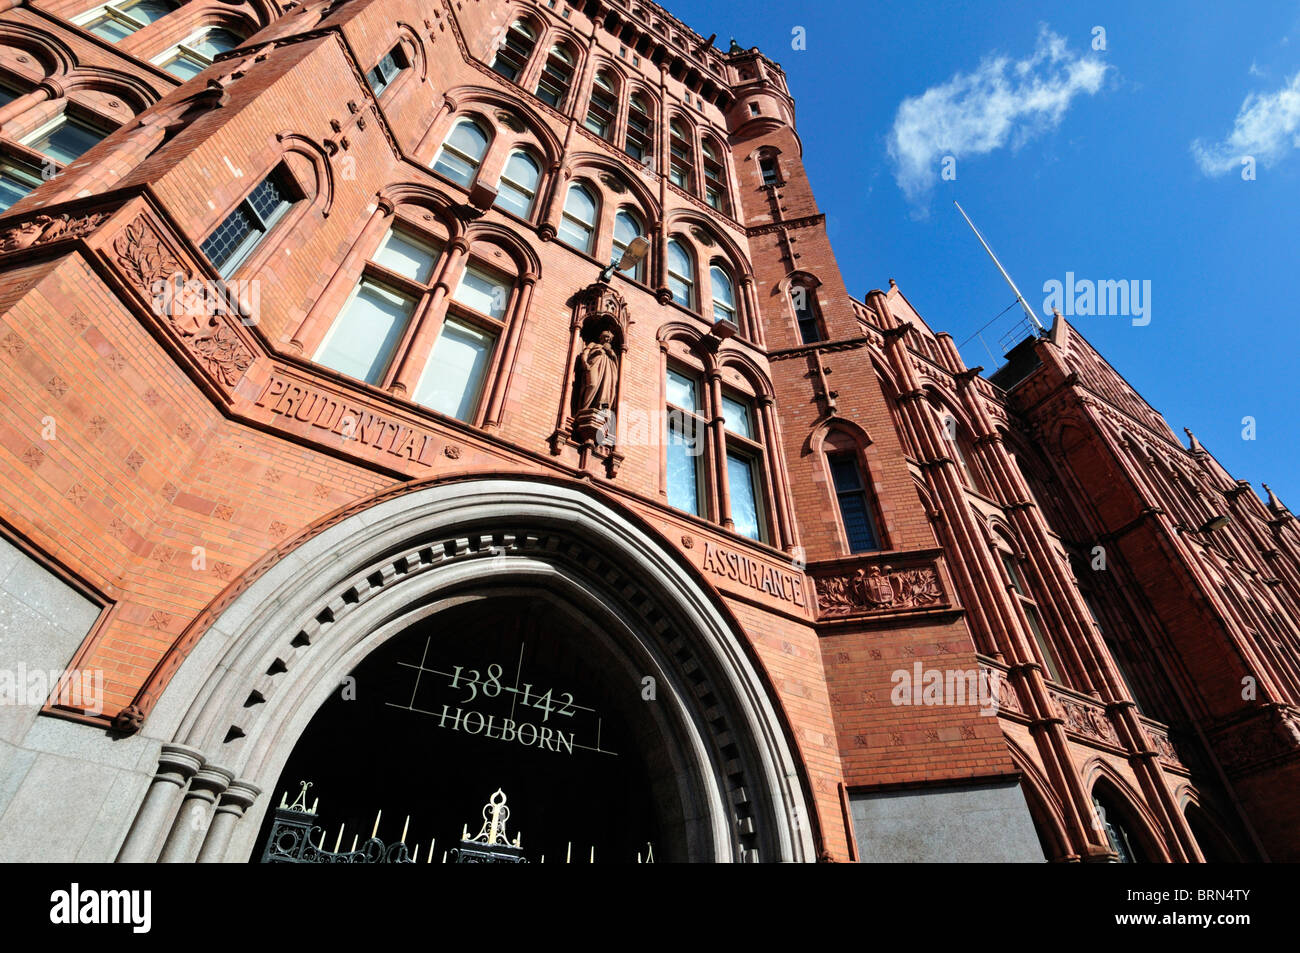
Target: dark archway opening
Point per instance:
(508, 692)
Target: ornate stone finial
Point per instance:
(1276, 506)
(1195, 445)
(893, 283)
(735, 47)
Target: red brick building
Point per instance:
(331, 450)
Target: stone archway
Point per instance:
(237, 706)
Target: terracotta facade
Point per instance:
(171, 433)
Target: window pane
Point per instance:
(518, 185)
(680, 274)
(468, 139)
(1014, 572)
(222, 245)
(845, 474)
(744, 499)
(737, 417)
(461, 153)
(683, 475)
(574, 235)
(365, 334)
(184, 66)
(455, 168)
(13, 186)
(484, 292)
(146, 11)
(66, 141)
(580, 205)
(214, 42)
(454, 376)
(1036, 627)
(406, 256)
(268, 200)
(110, 28)
(857, 522)
(681, 391)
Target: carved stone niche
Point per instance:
(597, 343)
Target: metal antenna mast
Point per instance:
(1029, 312)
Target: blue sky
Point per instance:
(1115, 164)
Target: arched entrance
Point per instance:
(474, 570)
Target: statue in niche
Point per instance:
(597, 378)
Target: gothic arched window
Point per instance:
(518, 186)
(462, 152)
(516, 47)
(627, 226)
(557, 76)
(578, 223)
(724, 294)
(681, 274)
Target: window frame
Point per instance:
(524, 57)
(401, 62)
(118, 12)
(186, 48)
(1019, 587)
(690, 280)
(20, 172)
(447, 146)
(69, 115)
(527, 154)
(591, 228)
(291, 194)
(853, 459)
(638, 271)
(562, 84)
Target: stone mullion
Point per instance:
(718, 437)
(428, 145)
(429, 322)
(780, 477)
(313, 328)
(509, 352)
(753, 329)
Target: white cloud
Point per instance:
(1267, 127)
(1254, 69)
(1003, 102)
